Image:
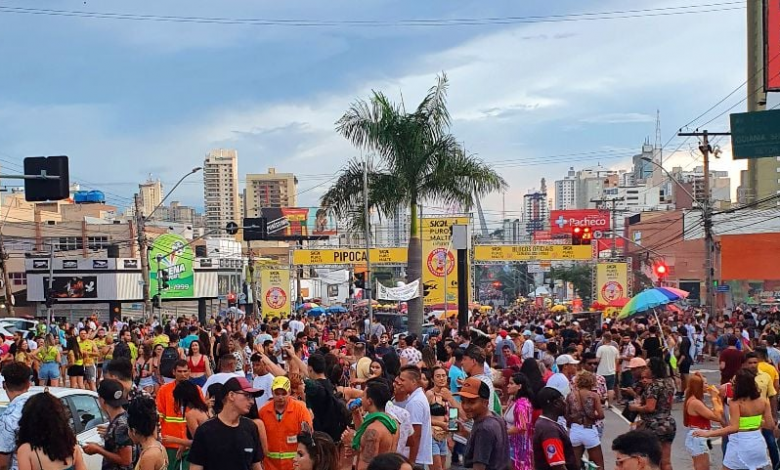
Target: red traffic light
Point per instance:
(576, 230)
(661, 269)
(497, 284)
(586, 235)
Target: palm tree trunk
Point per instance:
(414, 271)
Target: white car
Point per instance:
(14, 324)
(85, 416)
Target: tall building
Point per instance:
(536, 211)
(720, 184)
(566, 191)
(220, 190)
(151, 195)
(590, 185)
(269, 190)
(643, 169)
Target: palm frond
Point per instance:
(433, 108)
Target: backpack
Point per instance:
(167, 361)
(337, 409)
(122, 350)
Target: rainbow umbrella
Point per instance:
(651, 298)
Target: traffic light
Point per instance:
(497, 285)
(587, 236)
(576, 236)
(156, 301)
(164, 278)
(360, 280)
(661, 270)
(38, 189)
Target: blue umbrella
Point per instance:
(337, 309)
(315, 312)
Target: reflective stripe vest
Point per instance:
(283, 433)
(172, 422)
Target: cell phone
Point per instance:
(452, 425)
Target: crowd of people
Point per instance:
(518, 389)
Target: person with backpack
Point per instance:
(330, 412)
(125, 347)
(170, 355)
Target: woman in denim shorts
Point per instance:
(48, 356)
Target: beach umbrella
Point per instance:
(336, 309)
(315, 312)
(307, 306)
(649, 299)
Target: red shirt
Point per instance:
(513, 360)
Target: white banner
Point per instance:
(334, 277)
(402, 294)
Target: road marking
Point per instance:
(619, 412)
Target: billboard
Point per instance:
(292, 223)
(176, 255)
(350, 256)
(772, 45)
(510, 253)
(562, 222)
(73, 287)
(275, 292)
(611, 282)
(438, 261)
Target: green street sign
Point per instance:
(176, 256)
(756, 134)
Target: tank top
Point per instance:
(696, 421)
(40, 465)
(200, 368)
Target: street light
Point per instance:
(671, 177)
(192, 172)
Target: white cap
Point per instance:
(559, 382)
(564, 359)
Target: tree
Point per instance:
(579, 275)
(417, 160)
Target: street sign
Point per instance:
(755, 134)
(723, 288)
(532, 253)
(598, 234)
(231, 228)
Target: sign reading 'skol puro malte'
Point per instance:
(562, 222)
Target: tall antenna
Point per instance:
(658, 144)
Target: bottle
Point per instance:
(355, 404)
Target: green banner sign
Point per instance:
(172, 252)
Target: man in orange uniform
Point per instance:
(172, 422)
(283, 417)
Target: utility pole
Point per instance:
(49, 298)
(614, 212)
(142, 249)
(9, 293)
(253, 281)
(709, 245)
(368, 287)
(756, 96)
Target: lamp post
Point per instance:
(143, 241)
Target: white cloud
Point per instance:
(619, 118)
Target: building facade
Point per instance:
(536, 210)
(220, 190)
(566, 191)
(271, 189)
(151, 196)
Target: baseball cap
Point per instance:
(560, 383)
(636, 362)
(281, 382)
(474, 388)
(564, 359)
(527, 333)
(112, 392)
(240, 384)
(503, 333)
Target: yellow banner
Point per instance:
(349, 256)
(532, 252)
(275, 292)
(611, 282)
(435, 258)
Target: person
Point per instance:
(730, 360)
(377, 432)
(45, 439)
(519, 421)
(652, 344)
(697, 416)
(49, 358)
(142, 420)
(767, 390)
(440, 399)
(627, 353)
(172, 420)
(608, 357)
(456, 374)
(16, 382)
(421, 441)
(121, 370)
(684, 363)
(583, 409)
(187, 396)
(319, 398)
(200, 367)
(229, 441)
(656, 408)
(89, 354)
(316, 451)
(283, 417)
(262, 378)
(748, 413)
(410, 356)
(474, 365)
(637, 450)
(390, 461)
(117, 449)
(551, 445)
(227, 370)
(405, 428)
(528, 349)
(75, 364)
(144, 369)
(487, 447)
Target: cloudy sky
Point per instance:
(536, 86)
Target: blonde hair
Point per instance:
(586, 380)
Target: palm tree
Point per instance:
(417, 160)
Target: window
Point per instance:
(88, 412)
(18, 279)
(68, 243)
(97, 243)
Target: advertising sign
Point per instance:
(349, 256)
(73, 287)
(562, 222)
(275, 292)
(772, 44)
(532, 253)
(176, 256)
(291, 223)
(611, 282)
(755, 134)
(402, 294)
(438, 260)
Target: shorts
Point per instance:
(146, 382)
(685, 366)
(582, 436)
(610, 380)
(626, 379)
(49, 371)
(440, 447)
(76, 371)
(90, 373)
(696, 445)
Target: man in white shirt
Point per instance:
(421, 442)
(263, 379)
(296, 325)
(528, 346)
(227, 370)
(608, 356)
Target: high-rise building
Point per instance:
(566, 191)
(536, 211)
(220, 190)
(643, 169)
(151, 195)
(590, 185)
(269, 190)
